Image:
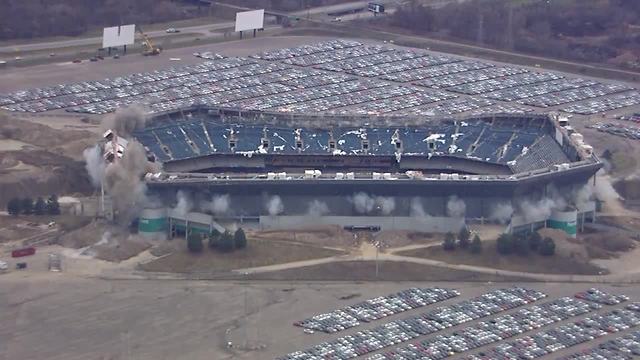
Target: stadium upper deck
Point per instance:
(489, 145)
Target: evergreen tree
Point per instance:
(40, 208)
(226, 242)
(547, 247)
(27, 206)
(240, 239)
(521, 245)
(214, 240)
(504, 244)
(534, 241)
(449, 243)
(194, 244)
(463, 237)
(476, 245)
(14, 207)
(53, 207)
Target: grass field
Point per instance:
(257, 253)
(489, 257)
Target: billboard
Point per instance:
(118, 36)
(250, 20)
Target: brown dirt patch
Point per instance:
(257, 253)
(387, 271)
(397, 238)
(120, 250)
(329, 235)
(533, 263)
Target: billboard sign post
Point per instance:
(118, 36)
(249, 20)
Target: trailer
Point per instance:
(23, 252)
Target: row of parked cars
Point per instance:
(491, 331)
(376, 308)
(566, 336)
(601, 297)
(629, 132)
(574, 95)
(614, 102)
(625, 347)
(286, 53)
(398, 331)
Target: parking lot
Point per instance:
(154, 319)
(565, 322)
(337, 77)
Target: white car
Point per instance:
(172, 31)
(3, 266)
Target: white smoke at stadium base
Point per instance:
(385, 204)
(456, 207)
(538, 210)
(95, 164)
(274, 205)
(127, 119)
(363, 203)
(317, 208)
(218, 205)
(501, 212)
(416, 209)
(184, 204)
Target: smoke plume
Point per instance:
(274, 205)
(184, 203)
(537, 210)
(123, 181)
(456, 207)
(317, 208)
(416, 209)
(501, 212)
(125, 120)
(363, 203)
(95, 164)
(219, 204)
(386, 205)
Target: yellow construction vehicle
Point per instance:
(149, 47)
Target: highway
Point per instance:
(316, 13)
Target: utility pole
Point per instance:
(480, 39)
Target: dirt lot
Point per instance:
(489, 257)
(257, 253)
(323, 236)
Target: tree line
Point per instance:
(35, 18)
(223, 242)
(588, 30)
(506, 244)
(26, 206)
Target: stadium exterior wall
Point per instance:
(422, 224)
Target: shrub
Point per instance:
(226, 242)
(504, 244)
(449, 243)
(194, 244)
(463, 237)
(547, 247)
(14, 207)
(240, 239)
(476, 245)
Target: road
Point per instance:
(205, 30)
(199, 29)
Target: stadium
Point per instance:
(433, 175)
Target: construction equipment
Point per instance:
(149, 47)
